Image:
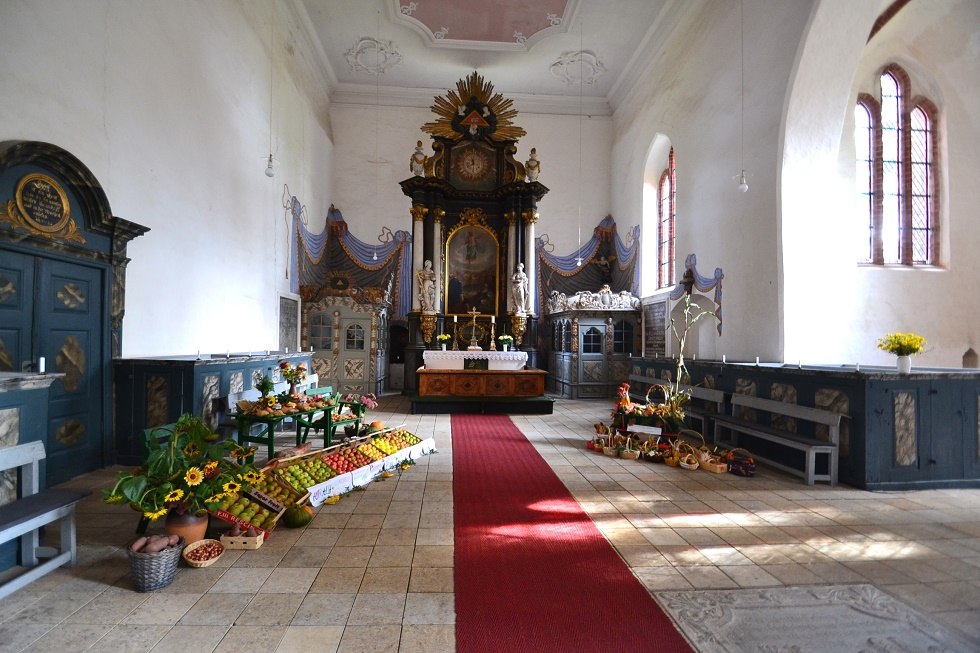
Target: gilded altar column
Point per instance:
(437, 254)
(418, 244)
(530, 219)
(511, 218)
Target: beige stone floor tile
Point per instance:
(433, 556)
(377, 609)
(364, 520)
(266, 610)
(792, 574)
(324, 610)
(190, 580)
(110, 607)
(349, 556)
(392, 556)
(126, 638)
(338, 580)
(644, 555)
(320, 537)
(297, 639)
(432, 579)
(662, 536)
(52, 608)
(306, 557)
(684, 555)
(244, 638)
(385, 580)
(404, 519)
(397, 536)
(661, 578)
(358, 537)
(68, 638)
(370, 639)
(241, 580)
(430, 608)
(428, 638)
(191, 638)
(704, 577)
(435, 536)
(262, 557)
(215, 609)
(162, 609)
(290, 580)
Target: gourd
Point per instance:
(297, 516)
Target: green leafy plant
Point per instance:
(189, 471)
(265, 385)
(902, 344)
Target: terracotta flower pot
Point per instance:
(187, 525)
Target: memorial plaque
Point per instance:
(655, 328)
(43, 203)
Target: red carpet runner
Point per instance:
(533, 573)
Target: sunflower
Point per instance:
(211, 469)
(174, 496)
(114, 498)
(216, 498)
(193, 476)
(191, 450)
(252, 477)
(153, 516)
(231, 487)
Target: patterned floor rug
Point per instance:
(818, 619)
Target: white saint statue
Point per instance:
(417, 164)
(519, 283)
(427, 288)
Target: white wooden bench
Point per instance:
(713, 401)
(23, 517)
(810, 446)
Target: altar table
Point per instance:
(456, 360)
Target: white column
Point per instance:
(511, 256)
(418, 244)
(530, 264)
(437, 264)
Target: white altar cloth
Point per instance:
(453, 360)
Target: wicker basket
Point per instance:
(154, 571)
(715, 465)
(202, 563)
(688, 456)
(740, 462)
(610, 451)
(629, 454)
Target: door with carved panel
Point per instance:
(56, 310)
(354, 366)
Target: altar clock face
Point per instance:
(472, 165)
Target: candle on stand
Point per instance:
(287, 350)
(493, 319)
(756, 360)
(40, 365)
(723, 357)
(454, 319)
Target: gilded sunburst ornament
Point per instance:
(473, 110)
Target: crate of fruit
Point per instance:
(238, 538)
(247, 512)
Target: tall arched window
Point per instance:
(666, 224)
(895, 146)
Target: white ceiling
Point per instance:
(419, 63)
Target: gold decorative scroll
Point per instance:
(462, 111)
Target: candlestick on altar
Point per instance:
(493, 332)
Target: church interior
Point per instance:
(542, 214)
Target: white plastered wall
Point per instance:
(835, 309)
(168, 105)
(690, 92)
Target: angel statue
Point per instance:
(417, 164)
(533, 166)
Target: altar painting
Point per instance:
(471, 271)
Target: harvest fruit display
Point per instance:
(272, 489)
(340, 463)
(371, 451)
(394, 440)
(248, 511)
(305, 473)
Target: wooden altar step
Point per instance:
(430, 405)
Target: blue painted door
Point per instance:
(71, 328)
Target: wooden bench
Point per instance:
(711, 402)
(328, 419)
(810, 446)
(24, 517)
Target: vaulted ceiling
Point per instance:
(556, 55)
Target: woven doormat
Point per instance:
(818, 619)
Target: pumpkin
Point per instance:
(297, 516)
